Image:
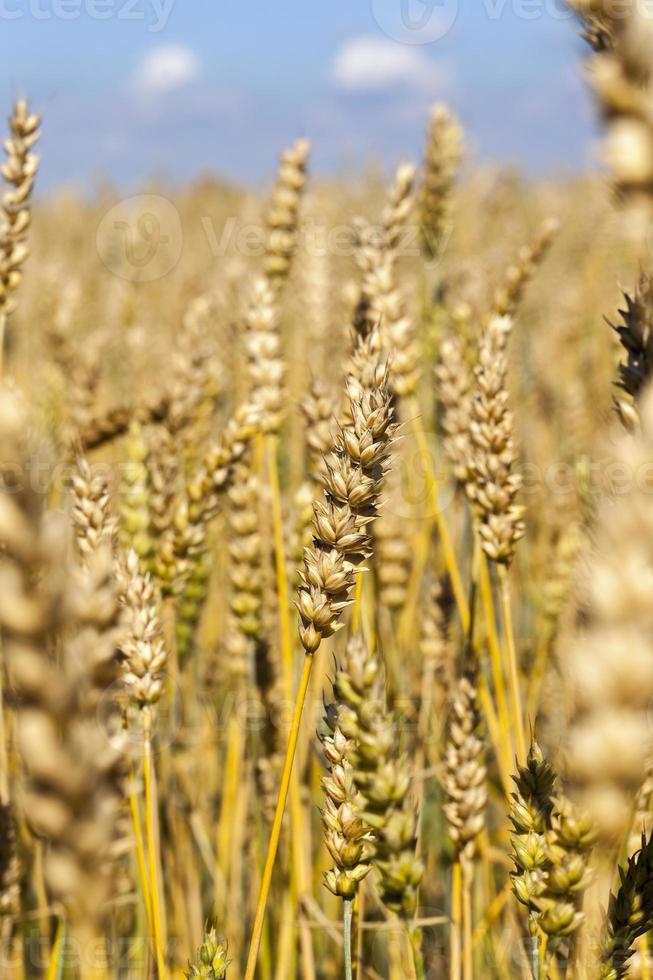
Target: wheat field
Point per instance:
(326, 565)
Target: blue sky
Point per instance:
(136, 88)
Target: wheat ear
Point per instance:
(19, 171)
(354, 469)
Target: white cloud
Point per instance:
(370, 63)
(166, 68)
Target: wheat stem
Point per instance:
(232, 776)
(537, 674)
(406, 955)
(360, 928)
(467, 923)
(265, 958)
(346, 923)
(358, 599)
(275, 832)
(299, 863)
(279, 559)
(485, 700)
(4, 760)
(496, 667)
(492, 914)
(285, 945)
(445, 538)
(408, 617)
(150, 834)
(497, 732)
(535, 956)
(42, 903)
(511, 653)
(643, 957)
(455, 963)
(3, 341)
(414, 934)
(140, 851)
(56, 963)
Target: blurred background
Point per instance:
(134, 89)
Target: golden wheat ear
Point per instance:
(442, 158)
(454, 390)
(622, 81)
(493, 486)
(19, 171)
(266, 365)
(282, 218)
(382, 305)
(605, 660)
(61, 660)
